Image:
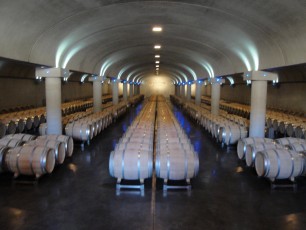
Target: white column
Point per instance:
(178, 90)
(215, 98)
(215, 94)
(125, 96)
(53, 97)
(258, 108)
(135, 89)
(198, 93)
(258, 100)
(131, 90)
(53, 105)
(189, 91)
(183, 95)
(115, 92)
(97, 93)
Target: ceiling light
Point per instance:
(157, 56)
(157, 66)
(157, 62)
(157, 29)
(157, 47)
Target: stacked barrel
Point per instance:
(24, 154)
(175, 156)
(284, 123)
(282, 158)
(25, 120)
(225, 128)
(132, 158)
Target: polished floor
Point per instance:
(81, 194)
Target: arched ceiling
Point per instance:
(200, 38)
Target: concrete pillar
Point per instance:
(215, 94)
(258, 108)
(215, 98)
(125, 96)
(115, 92)
(131, 90)
(258, 100)
(97, 93)
(53, 105)
(53, 97)
(189, 91)
(135, 89)
(183, 95)
(198, 92)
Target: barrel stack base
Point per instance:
(283, 184)
(168, 186)
(120, 185)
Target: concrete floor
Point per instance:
(81, 195)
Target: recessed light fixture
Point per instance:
(157, 56)
(157, 47)
(157, 29)
(157, 66)
(157, 62)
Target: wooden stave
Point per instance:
(164, 165)
(252, 149)
(67, 140)
(266, 162)
(57, 146)
(286, 141)
(3, 151)
(14, 155)
(118, 162)
(236, 132)
(242, 143)
(71, 130)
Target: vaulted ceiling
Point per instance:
(200, 38)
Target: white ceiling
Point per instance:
(200, 38)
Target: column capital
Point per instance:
(216, 81)
(52, 72)
(260, 76)
(96, 78)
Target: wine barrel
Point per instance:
(79, 131)
(283, 126)
(286, 141)
(130, 164)
(298, 147)
(177, 164)
(231, 134)
(290, 130)
(20, 125)
(252, 149)
(279, 164)
(132, 145)
(2, 129)
(21, 136)
(42, 129)
(300, 132)
(242, 143)
(67, 140)
(3, 152)
(29, 123)
(57, 146)
(10, 142)
(11, 127)
(30, 160)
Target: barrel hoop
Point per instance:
(230, 138)
(168, 164)
(43, 160)
(186, 164)
(292, 163)
(138, 163)
(31, 159)
(278, 162)
(267, 163)
(122, 163)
